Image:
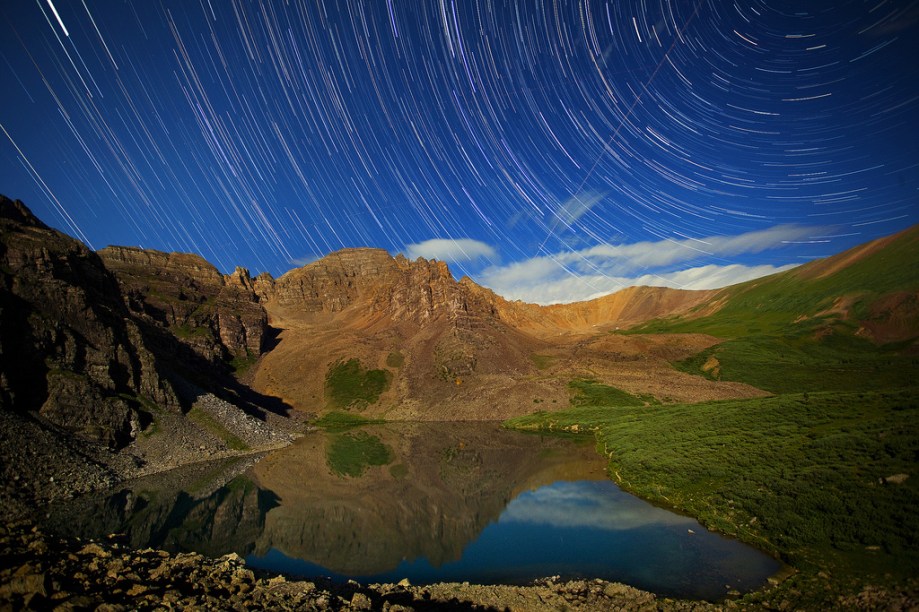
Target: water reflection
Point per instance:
(442, 484)
(573, 505)
(430, 502)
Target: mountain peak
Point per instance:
(15, 210)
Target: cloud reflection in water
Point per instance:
(587, 504)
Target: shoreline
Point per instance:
(41, 571)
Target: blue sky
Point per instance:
(551, 151)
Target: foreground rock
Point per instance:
(40, 572)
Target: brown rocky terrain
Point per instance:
(457, 351)
(69, 350)
(217, 316)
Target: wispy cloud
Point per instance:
(624, 258)
(574, 208)
(448, 249)
(599, 270)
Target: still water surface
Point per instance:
(428, 502)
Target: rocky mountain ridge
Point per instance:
(115, 363)
(384, 286)
(453, 350)
(216, 315)
(108, 346)
(70, 350)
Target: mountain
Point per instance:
(217, 316)
(160, 355)
(124, 350)
(69, 349)
(847, 322)
(441, 349)
(427, 337)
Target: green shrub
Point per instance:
(589, 392)
(348, 384)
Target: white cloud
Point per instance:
(555, 289)
(599, 270)
(624, 258)
(447, 249)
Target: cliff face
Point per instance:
(69, 348)
(217, 316)
(383, 286)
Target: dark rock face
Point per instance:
(217, 316)
(69, 348)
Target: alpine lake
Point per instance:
(430, 502)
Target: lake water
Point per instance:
(428, 502)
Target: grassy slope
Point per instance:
(796, 475)
(773, 304)
(802, 474)
(780, 336)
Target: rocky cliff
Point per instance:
(383, 286)
(69, 349)
(133, 361)
(218, 316)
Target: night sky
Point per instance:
(551, 151)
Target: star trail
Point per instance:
(543, 148)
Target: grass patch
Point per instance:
(342, 421)
(242, 362)
(188, 332)
(589, 392)
(350, 385)
(542, 361)
(800, 476)
(796, 363)
(395, 359)
(351, 454)
(212, 425)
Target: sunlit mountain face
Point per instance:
(552, 151)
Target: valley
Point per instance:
(780, 411)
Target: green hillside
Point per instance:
(825, 481)
(849, 323)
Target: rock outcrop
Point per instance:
(217, 316)
(384, 286)
(89, 362)
(69, 348)
(437, 337)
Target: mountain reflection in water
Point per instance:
(431, 502)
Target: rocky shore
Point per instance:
(39, 571)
